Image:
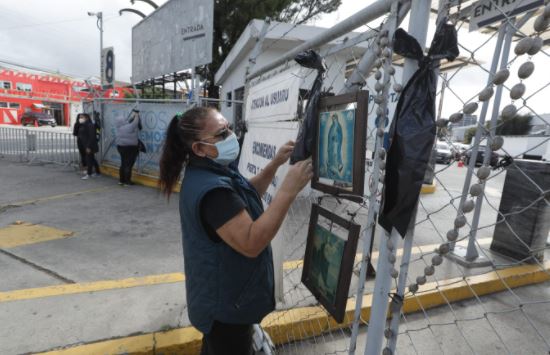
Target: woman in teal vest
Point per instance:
(225, 231)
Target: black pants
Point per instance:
(228, 339)
(91, 162)
(82, 152)
(128, 156)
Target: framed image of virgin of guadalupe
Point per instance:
(329, 258)
(340, 145)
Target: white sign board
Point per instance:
(175, 37)
(275, 99)
(487, 12)
(261, 143)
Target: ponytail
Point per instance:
(171, 161)
(183, 130)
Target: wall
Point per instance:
(517, 145)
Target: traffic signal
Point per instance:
(108, 72)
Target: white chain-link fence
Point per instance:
(453, 280)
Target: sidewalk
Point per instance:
(88, 261)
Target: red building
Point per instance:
(58, 95)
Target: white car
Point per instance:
(443, 153)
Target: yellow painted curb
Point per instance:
(135, 345)
(19, 234)
(145, 180)
(305, 322)
(428, 189)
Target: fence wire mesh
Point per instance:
(449, 307)
(460, 296)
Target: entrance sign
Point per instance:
(275, 99)
(175, 37)
(487, 12)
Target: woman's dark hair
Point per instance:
(182, 131)
(83, 115)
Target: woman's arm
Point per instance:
(262, 180)
(251, 237)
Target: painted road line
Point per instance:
(54, 197)
(306, 322)
(20, 233)
(61, 290)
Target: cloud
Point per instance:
(59, 35)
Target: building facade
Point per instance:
(32, 91)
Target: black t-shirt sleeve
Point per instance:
(217, 207)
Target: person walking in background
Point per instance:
(226, 232)
(87, 135)
(81, 150)
(127, 130)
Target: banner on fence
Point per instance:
(275, 99)
(155, 118)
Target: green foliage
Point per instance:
(232, 16)
(517, 126)
(148, 93)
(469, 135)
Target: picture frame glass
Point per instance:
(329, 242)
(336, 147)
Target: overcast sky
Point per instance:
(59, 35)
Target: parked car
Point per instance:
(443, 153)
(481, 155)
(39, 118)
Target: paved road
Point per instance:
(127, 233)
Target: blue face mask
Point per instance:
(228, 150)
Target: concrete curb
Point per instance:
(305, 322)
(428, 189)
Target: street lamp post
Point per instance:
(99, 16)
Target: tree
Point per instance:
(148, 93)
(516, 126)
(519, 125)
(232, 16)
(469, 135)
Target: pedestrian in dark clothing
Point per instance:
(87, 135)
(81, 150)
(127, 145)
(226, 232)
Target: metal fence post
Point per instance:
(477, 137)
(418, 27)
(373, 203)
(469, 256)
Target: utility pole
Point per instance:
(99, 16)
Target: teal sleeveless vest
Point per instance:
(221, 284)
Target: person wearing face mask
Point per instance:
(226, 232)
(81, 150)
(87, 135)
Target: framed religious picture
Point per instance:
(329, 258)
(340, 145)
